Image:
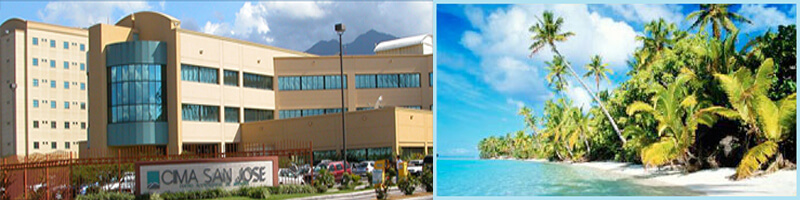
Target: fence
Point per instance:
(65, 175)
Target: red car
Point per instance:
(338, 169)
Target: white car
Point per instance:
(126, 184)
(415, 167)
(286, 176)
(364, 167)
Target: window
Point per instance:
(66, 125)
(334, 82)
(202, 113)
(53, 104)
(66, 45)
(52, 63)
(257, 115)
(35, 41)
(326, 82)
(66, 65)
(35, 145)
(53, 124)
(35, 124)
(430, 79)
(312, 83)
(53, 43)
(66, 145)
(52, 83)
(289, 83)
(83, 86)
(66, 105)
(286, 114)
(232, 114)
(53, 145)
(387, 81)
(83, 47)
(35, 62)
(35, 82)
(364, 108)
(135, 93)
(83, 106)
(83, 125)
(413, 107)
(35, 103)
(257, 81)
(83, 67)
(231, 78)
(66, 84)
(199, 74)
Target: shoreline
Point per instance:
(711, 182)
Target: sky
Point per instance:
(485, 74)
(293, 25)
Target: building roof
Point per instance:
(403, 42)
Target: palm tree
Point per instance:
(548, 31)
(719, 17)
(659, 35)
(557, 69)
(530, 119)
(598, 69)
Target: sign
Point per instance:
(204, 174)
(377, 176)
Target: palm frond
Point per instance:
(660, 153)
(754, 158)
(639, 106)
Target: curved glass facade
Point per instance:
(136, 93)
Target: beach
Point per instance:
(712, 182)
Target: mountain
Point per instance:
(362, 45)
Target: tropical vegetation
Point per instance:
(692, 100)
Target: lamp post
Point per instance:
(340, 30)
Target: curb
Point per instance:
(345, 195)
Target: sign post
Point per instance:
(202, 174)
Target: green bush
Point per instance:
(107, 196)
(348, 181)
(381, 192)
(254, 192)
(407, 185)
(293, 189)
(321, 187)
(203, 194)
(369, 178)
(326, 178)
(426, 179)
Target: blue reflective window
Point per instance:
(35, 41)
(53, 43)
(199, 74)
(334, 82)
(52, 83)
(83, 47)
(257, 81)
(365, 81)
(35, 82)
(35, 62)
(232, 114)
(430, 79)
(66, 65)
(66, 105)
(257, 115)
(66, 45)
(66, 84)
(192, 112)
(83, 86)
(286, 114)
(387, 81)
(52, 103)
(310, 82)
(52, 63)
(35, 103)
(289, 83)
(83, 66)
(413, 107)
(231, 78)
(135, 93)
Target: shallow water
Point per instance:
(521, 178)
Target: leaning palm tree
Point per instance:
(719, 17)
(530, 119)
(557, 69)
(546, 33)
(598, 69)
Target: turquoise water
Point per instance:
(521, 178)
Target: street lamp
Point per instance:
(340, 30)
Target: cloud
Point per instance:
(85, 14)
(298, 25)
(515, 102)
(579, 97)
(501, 44)
(162, 4)
(644, 13)
(763, 17)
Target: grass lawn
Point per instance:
(289, 196)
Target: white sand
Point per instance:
(712, 182)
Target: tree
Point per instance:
(719, 17)
(597, 69)
(548, 31)
(557, 69)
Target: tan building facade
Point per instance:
(44, 88)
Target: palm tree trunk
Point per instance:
(602, 107)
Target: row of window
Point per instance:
(326, 82)
(202, 74)
(54, 124)
(387, 81)
(53, 145)
(53, 84)
(53, 63)
(54, 102)
(286, 114)
(411, 107)
(66, 45)
(135, 93)
(206, 113)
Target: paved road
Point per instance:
(365, 195)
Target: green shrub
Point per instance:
(407, 185)
(107, 196)
(369, 178)
(254, 192)
(202, 194)
(293, 189)
(381, 192)
(326, 178)
(426, 179)
(348, 181)
(321, 187)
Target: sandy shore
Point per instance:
(712, 182)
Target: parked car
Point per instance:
(127, 184)
(286, 176)
(415, 167)
(364, 167)
(337, 168)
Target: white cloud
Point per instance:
(644, 13)
(763, 17)
(579, 97)
(215, 28)
(502, 41)
(162, 4)
(298, 25)
(515, 102)
(84, 14)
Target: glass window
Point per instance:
(83, 125)
(52, 104)
(413, 107)
(35, 41)
(231, 78)
(408, 80)
(83, 67)
(365, 81)
(66, 125)
(83, 47)
(286, 114)
(387, 80)
(66, 45)
(66, 145)
(430, 79)
(52, 63)
(66, 65)
(53, 145)
(35, 82)
(312, 82)
(257, 81)
(257, 115)
(35, 103)
(66, 105)
(135, 93)
(53, 124)
(53, 43)
(203, 113)
(52, 83)
(83, 106)
(66, 84)
(313, 112)
(334, 82)
(199, 74)
(35, 62)
(232, 114)
(35, 124)
(289, 83)
(83, 86)
(35, 145)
